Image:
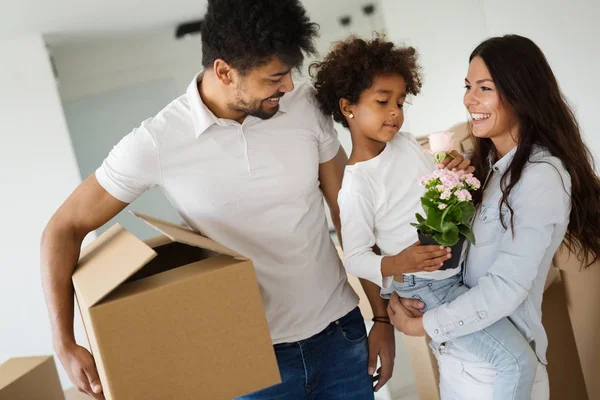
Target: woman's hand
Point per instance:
(403, 318)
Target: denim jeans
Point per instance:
(462, 380)
(330, 365)
(501, 344)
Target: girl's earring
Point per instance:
(351, 116)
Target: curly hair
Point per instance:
(351, 66)
(247, 34)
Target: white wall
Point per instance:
(37, 172)
(109, 86)
(568, 36)
(128, 60)
(445, 33)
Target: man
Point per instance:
(246, 159)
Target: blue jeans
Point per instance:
(501, 344)
(330, 365)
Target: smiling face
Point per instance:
(258, 92)
(378, 115)
(492, 117)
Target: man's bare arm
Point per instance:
(87, 208)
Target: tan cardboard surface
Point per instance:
(30, 378)
(107, 262)
(188, 324)
(582, 289)
(15, 368)
(424, 366)
(185, 235)
(564, 366)
(74, 394)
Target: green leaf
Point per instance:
(455, 214)
(420, 218)
(468, 209)
(445, 214)
(438, 238)
(451, 215)
(434, 219)
(432, 194)
(467, 232)
(426, 202)
(451, 236)
(446, 226)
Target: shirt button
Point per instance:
(337, 322)
(437, 331)
(481, 314)
(461, 323)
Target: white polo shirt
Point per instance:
(253, 187)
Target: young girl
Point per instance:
(364, 85)
(541, 188)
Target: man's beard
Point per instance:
(255, 109)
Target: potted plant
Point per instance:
(447, 204)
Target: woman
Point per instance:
(540, 187)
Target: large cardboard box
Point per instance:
(176, 317)
(30, 378)
(582, 298)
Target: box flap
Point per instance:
(108, 262)
(185, 235)
(15, 368)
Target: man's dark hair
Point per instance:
(248, 33)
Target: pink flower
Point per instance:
(442, 206)
(471, 180)
(463, 195)
(441, 142)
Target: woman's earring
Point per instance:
(351, 116)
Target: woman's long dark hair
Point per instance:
(526, 82)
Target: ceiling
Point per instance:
(63, 21)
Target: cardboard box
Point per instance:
(176, 317)
(30, 378)
(582, 298)
(74, 394)
(564, 366)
